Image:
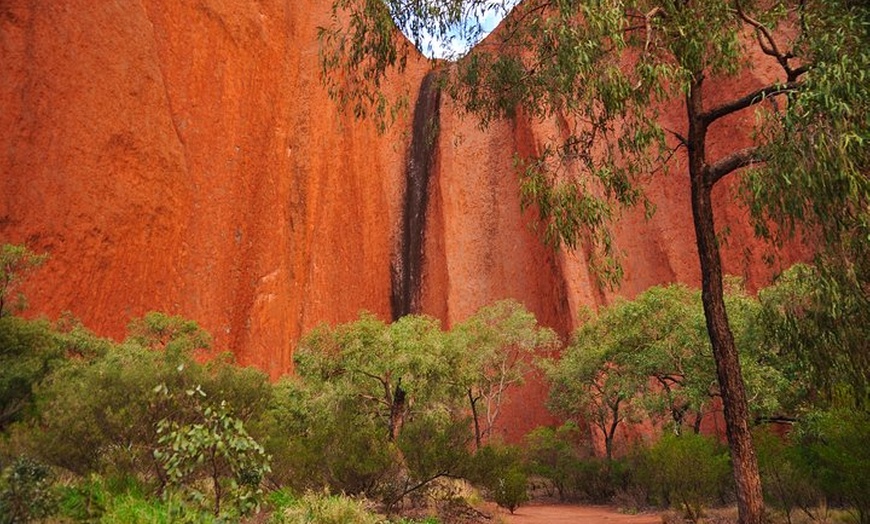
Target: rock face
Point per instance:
(184, 157)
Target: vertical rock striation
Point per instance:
(407, 265)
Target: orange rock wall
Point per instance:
(184, 157)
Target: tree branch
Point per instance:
(768, 45)
(736, 160)
(748, 100)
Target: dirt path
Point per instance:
(564, 514)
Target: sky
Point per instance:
(489, 18)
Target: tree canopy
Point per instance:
(603, 70)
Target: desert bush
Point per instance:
(511, 489)
(101, 414)
(432, 445)
(16, 262)
(787, 487)
(596, 480)
(499, 469)
(554, 454)
(321, 508)
(319, 440)
(215, 447)
(834, 453)
(688, 470)
(29, 350)
(26, 491)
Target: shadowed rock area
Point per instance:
(407, 267)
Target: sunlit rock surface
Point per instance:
(186, 158)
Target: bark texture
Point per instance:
(750, 502)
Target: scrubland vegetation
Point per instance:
(395, 421)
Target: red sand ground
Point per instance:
(556, 514)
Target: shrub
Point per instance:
(216, 448)
(313, 508)
(28, 352)
(786, 484)
(834, 452)
(100, 415)
(498, 468)
(322, 441)
(687, 470)
(26, 492)
(86, 500)
(555, 454)
(511, 489)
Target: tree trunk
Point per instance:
(750, 503)
(478, 438)
(397, 411)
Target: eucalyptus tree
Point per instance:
(497, 346)
(604, 69)
(651, 358)
(587, 386)
(382, 405)
(821, 329)
(392, 371)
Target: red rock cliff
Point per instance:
(184, 157)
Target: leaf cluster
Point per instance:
(216, 447)
(16, 261)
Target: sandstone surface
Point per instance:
(184, 157)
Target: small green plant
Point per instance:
(320, 508)
(219, 450)
(85, 500)
(499, 469)
(786, 486)
(511, 489)
(15, 262)
(551, 453)
(834, 453)
(26, 492)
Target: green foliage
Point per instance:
(26, 492)
(111, 500)
(388, 369)
(173, 334)
(215, 447)
(821, 330)
(366, 384)
(834, 451)
(815, 185)
(436, 445)
(29, 350)
(585, 384)
(511, 489)
(564, 457)
(557, 456)
(318, 441)
(315, 508)
(787, 484)
(651, 357)
(85, 500)
(687, 470)
(496, 345)
(15, 263)
(499, 469)
(101, 414)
